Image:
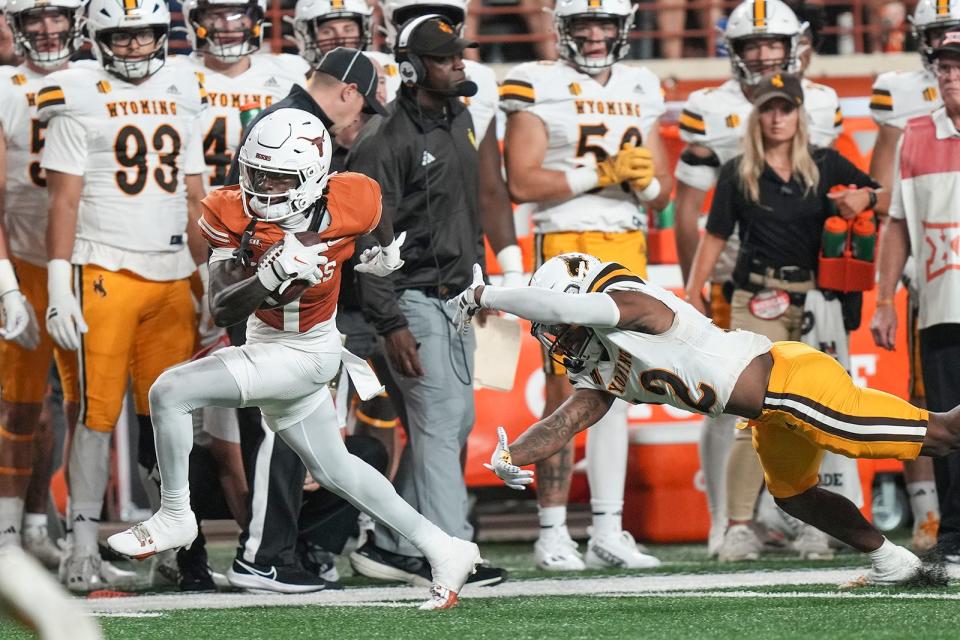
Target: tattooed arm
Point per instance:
(543, 439)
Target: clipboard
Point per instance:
(497, 354)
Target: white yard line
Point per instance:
(690, 585)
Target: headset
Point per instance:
(411, 67)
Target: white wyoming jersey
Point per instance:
(716, 118)
(586, 122)
(268, 80)
(25, 218)
(133, 145)
(899, 96)
(693, 366)
(483, 106)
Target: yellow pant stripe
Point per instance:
(16, 471)
(15, 437)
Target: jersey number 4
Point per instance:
(131, 151)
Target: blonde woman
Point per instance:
(776, 196)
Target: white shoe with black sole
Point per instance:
(273, 578)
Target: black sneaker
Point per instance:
(374, 562)
(194, 570)
(275, 578)
(319, 561)
(487, 576)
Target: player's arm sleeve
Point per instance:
(517, 91)
(723, 210)
(698, 170)
(544, 305)
(65, 146)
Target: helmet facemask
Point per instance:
(277, 195)
(34, 43)
(575, 347)
(133, 66)
(570, 47)
(312, 49)
(752, 72)
(236, 31)
(930, 36)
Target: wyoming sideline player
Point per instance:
(583, 145)
(124, 167)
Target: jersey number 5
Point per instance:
(587, 131)
(131, 152)
(36, 146)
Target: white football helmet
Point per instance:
(241, 42)
(284, 165)
(31, 45)
(762, 19)
(398, 12)
(574, 347)
(107, 17)
(931, 20)
(308, 14)
(569, 48)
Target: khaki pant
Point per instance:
(785, 328)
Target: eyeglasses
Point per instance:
(142, 37)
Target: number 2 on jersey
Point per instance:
(131, 153)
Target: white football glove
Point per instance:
(19, 322)
(465, 305)
(501, 464)
(65, 320)
(293, 261)
(382, 261)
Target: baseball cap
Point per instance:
(436, 37)
(353, 67)
(779, 85)
(950, 44)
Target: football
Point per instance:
(294, 289)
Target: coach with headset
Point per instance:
(423, 153)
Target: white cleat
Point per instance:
(555, 550)
(80, 572)
(925, 532)
(37, 543)
(617, 549)
(153, 536)
(450, 572)
(813, 544)
(899, 567)
(715, 538)
(164, 571)
(740, 543)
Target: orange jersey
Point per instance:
(353, 200)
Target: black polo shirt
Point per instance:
(785, 227)
(298, 98)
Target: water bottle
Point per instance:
(864, 237)
(834, 237)
(665, 217)
(248, 112)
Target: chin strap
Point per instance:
(242, 255)
(317, 214)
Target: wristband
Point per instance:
(582, 180)
(651, 192)
(873, 199)
(8, 279)
(510, 259)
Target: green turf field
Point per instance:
(689, 597)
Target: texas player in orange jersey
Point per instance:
(287, 227)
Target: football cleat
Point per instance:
(153, 536)
(555, 550)
(740, 543)
(899, 567)
(80, 572)
(440, 598)
(715, 538)
(813, 544)
(617, 549)
(925, 532)
(451, 569)
(37, 543)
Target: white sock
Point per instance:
(607, 467)
(883, 552)
(11, 515)
(88, 463)
(34, 520)
(716, 438)
(923, 499)
(175, 504)
(552, 517)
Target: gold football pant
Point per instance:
(812, 406)
(628, 248)
(24, 372)
(138, 328)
